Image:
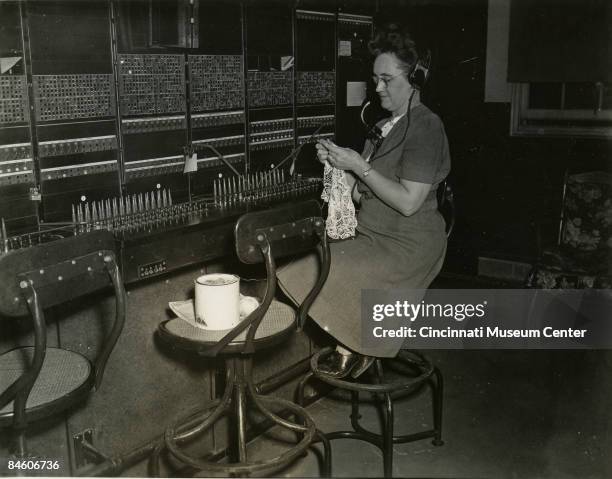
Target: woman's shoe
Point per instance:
(363, 364)
(338, 365)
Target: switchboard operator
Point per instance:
(400, 241)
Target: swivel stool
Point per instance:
(415, 372)
(260, 237)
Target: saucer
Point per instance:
(185, 310)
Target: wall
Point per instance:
(502, 184)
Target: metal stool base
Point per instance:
(424, 373)
(238, 389)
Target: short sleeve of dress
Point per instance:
(425, 156)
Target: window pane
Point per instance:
(545, 96)
(579, 96)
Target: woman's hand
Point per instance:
(338, 157)
(404, 196)
(322, 153)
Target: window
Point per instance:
(562, 109)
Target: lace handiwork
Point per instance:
(341, 221)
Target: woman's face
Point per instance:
(393, 87)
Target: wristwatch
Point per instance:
(366, 172)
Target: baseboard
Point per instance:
(508, 270)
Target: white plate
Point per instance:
(185, 310)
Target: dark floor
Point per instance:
(539, 414)
(507, 414)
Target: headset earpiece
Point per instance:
(420, 72)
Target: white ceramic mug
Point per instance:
(217, 301)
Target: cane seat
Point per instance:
(277, 324)
(53, 388)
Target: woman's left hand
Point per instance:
(343, 158)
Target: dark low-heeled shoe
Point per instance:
(338, 365)
(363, 364)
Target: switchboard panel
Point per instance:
(152, 102)
(76, 151)
(17, 169)
(216, 82)
(217, 92)
(13, 99)
(73, 97)
(115, 101)
(151, 84)
(270, 88)
(316, 85)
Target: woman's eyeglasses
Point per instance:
(385, 80)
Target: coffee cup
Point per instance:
(217, 301)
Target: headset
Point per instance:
(420, 71)
(417, 78)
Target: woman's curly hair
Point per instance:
(395, 39)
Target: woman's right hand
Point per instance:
(322, 152)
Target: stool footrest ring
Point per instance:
(415, 373)
(250, 468)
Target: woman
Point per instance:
(400, 241)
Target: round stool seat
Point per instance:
(278, 322)
(64, 378)
(415, 367)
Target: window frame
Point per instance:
(520, 110)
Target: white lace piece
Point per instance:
(341, 221)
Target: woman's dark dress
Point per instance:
(390, 251)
